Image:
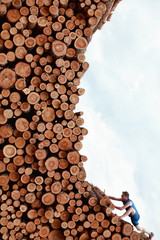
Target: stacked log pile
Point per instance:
(43, 192)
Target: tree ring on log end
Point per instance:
(48, 114)
(59, 48)
(9, 151)
(48, 198)
(56, 234)
(22, 124)
(7, 78)
(23, 69)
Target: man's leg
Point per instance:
(144, 231)
(128, 212)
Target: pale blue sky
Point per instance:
(122, 107)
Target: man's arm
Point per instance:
(125, 206)
(114, 198)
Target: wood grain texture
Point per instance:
(43, 189)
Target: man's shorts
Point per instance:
(135, 218)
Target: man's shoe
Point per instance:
(151, 235)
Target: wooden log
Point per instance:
(9, 151)
(18, 40)
(62, 198)
(51, 163)
(30, 42)
(135, 236)
(7, 78)
(81, 43)
(33, 98)
(3, 10)
(22, 124)
(73, 157)
(127, 229)
(117, 236)
(55, 234)
(59, 48)
(56, 187)
(6, 131)
(32, 21)
(23, 69)
(48, 199)
(65, 144)
(54, 11)
(30, 227)
(48, 114)
(3, 59)
(4, 179)
(13, 15)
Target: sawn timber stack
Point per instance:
(43, 191)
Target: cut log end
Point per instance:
(7, 78)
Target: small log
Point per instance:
(81, 43)
(30, 42)
(30, 227)
(73, 157)
(41, 39)
(2, 166)
(54, 11)
(17, 4)
(32, 214)
(23, 69)
(62, 198)
(13, 15)
(7, 78)
(32, 21)
(51, 163)
(56, 234)
(18, 160)
(56, 187)
(4, 179)
(48, 114)
(48, 199)
(20, 52)
(65, 144)
(127, 229)
(57, 26)
(3, 10)
(3, 59)
(5, 131)
(18, 40)
(117, 236)
(22, 124)
(33, 98)
(59, 48)
(9, 151)
(44, 231)
(134, 236)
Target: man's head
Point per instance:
(125, 195)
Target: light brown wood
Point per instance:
(23, 69)
(13, 15)
(22, 124)
(59, 48)
(135, 236)
(127, 229)
(55, 234)
(48, 198)
(7, 78)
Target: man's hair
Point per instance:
(126, 194)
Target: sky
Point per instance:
(121, 108)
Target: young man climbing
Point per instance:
(131, 211)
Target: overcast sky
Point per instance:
(122, 108)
